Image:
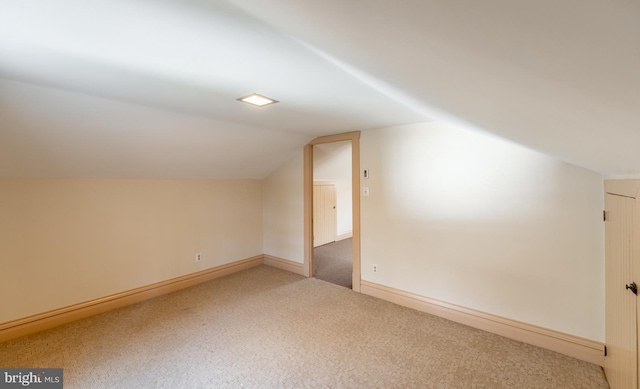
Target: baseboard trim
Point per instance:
(46, 320)
(284, 264)
(573, 346)
(344, 236)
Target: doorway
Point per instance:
(352, 138)
(332, 213)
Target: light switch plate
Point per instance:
(365, 191)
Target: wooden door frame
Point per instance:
(354, 137)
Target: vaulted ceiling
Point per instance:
(148, 88)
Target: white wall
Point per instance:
(469, 219)
(332, 162)
(283, 211)
(66, 241)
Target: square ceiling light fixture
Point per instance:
(257, 100)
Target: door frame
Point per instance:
(354, 137)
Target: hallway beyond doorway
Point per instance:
(333, 262)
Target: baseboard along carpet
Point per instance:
(268, 328)
(333, 262)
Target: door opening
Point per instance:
(332, 213)
(342, 233)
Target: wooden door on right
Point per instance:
(621, 333)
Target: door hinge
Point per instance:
(605, 350)
(604, 216)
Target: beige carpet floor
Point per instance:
(266, 328)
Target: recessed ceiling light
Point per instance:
(257, 100)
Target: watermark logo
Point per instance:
(31, 378)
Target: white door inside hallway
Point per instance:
(621, 362)
(324, 214)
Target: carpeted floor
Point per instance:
(333, 262)
(267, 328)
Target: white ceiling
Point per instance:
(147, 88)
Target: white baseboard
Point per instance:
(344, 236)
(46, 320)
(573, 346)
(284, 264)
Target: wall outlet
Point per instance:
(198, 257)
(375, 268)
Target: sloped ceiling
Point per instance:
(558, 76)
(147, 88)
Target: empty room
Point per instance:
(319, 194)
